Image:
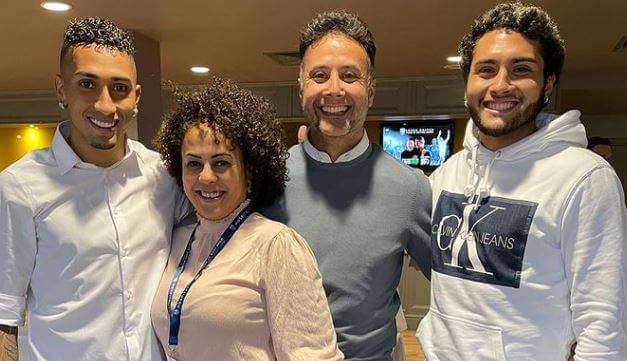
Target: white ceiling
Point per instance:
(413, 38)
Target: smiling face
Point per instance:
(506, 86)
(99, 87)
(336, 89)
(410, 144)
(214, 174)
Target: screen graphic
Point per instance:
(418, 144)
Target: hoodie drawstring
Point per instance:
(484, 191)
(469, 189)
(481, 191)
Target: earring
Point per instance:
(249, 190)
(465, 103)
(135, 112)
(62, 106)
(546, 99)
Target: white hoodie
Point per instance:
(528, 251)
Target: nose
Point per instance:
(104, 104)
(335, 86)
(207, 175)
(502, 82)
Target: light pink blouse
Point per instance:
(260, 299)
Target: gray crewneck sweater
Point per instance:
(359, 217)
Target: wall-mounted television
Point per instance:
(419, 144)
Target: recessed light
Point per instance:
(454, 59)
(199, 69)
(56, 6)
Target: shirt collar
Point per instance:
(351, 154)
(66, 157)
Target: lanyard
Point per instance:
(175, 314)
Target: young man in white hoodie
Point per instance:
(528, 228)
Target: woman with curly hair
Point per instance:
(237, 286)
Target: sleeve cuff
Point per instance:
(12, 310)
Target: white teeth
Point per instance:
(211, 195)
(102, 124)
(500, 106)
(334, 109)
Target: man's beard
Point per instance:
(520, 119)
(103, 146)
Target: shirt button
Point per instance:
(128, 294)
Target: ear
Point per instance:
(371, 91)
(549, 85)
(59, 87)
(300, 89)
(138, 94)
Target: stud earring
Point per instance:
(62, 106)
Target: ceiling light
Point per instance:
(199, 69)
(454, 59)
(56, 6)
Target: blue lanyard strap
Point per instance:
(175, 314)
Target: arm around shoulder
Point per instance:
(419, 242)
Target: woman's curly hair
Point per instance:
(245, 120)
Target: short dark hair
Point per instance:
(338, 22)
(245, 120)
(594, 141)
(530, 21)
(101, 32)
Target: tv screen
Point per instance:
(419, 144)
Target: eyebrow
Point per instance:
(93, 76)
(212, 157)
(343, 67)
(516, 60)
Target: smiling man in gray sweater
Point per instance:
(358, 208)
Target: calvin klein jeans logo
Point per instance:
(465, 236)
(486, 245)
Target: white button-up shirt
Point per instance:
(88, 246)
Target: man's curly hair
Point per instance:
(100, 32)
(247, 121)
(339, 22)
(530, 21)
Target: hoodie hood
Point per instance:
(565, 129)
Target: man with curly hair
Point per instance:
(528, 229)
(86, 223)
(358, 208)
